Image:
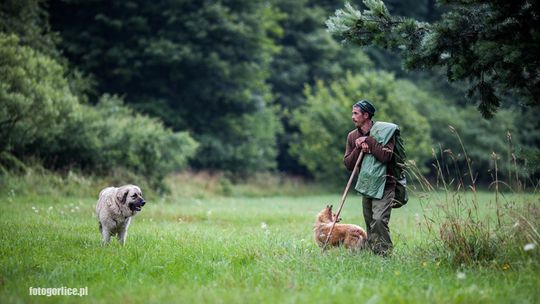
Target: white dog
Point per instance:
(114, 209)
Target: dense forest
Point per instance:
(244, 86)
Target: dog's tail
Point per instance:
(361, 232)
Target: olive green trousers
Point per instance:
(377, 216)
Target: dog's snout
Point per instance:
(143, 202)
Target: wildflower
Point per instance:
(529, 246)
(264, 226)
(506, 266)
(424, 264)
(461, 275)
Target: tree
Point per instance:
(110, 136)
(307, 54)
(200, 66)
(35, 98)
(28, 20)
(480, 137)
(324, 121)
(40, 117)
(491, 44)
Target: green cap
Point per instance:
(365, 106)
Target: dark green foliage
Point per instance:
(233, 73)
(307, 53)
(110, 136)
(35, 97)
(492, 44)
(481, 137)
(524, 144)
(40, 117)
(246, 144)
(28, 19)
(194, 64)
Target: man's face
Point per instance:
(358, 117)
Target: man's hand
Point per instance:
(362, 144)
(359, 141)
(365, 147)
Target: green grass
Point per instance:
(216, 250)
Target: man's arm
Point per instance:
(351, 153)
(381, 153)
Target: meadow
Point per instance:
(241, 249)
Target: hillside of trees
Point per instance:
(263, 86)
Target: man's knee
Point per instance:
(379, 223)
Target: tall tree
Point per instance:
(28, 19)
(491, 44)
(199, 65)
(307, 54)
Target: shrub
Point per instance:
(35, 99)
(41, 118)
(111, 136)
(324, 121)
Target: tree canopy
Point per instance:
(321, 149)
(248, 86)
(493, 45)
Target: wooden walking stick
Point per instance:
(355, 169)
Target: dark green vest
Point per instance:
(372, 176)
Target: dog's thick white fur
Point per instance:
(114, 209)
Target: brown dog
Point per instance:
(352, 236)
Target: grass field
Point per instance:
(237, 250)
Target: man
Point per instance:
(376, 180)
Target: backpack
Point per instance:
(401, 196)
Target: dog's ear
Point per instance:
(121, 194)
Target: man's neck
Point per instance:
(366, 127)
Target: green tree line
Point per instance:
(238, 86)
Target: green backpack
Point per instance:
(401, 196)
